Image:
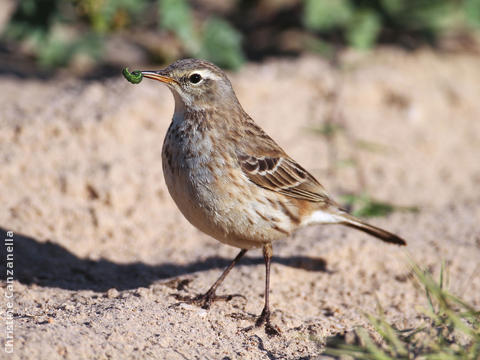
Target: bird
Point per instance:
(231, 180)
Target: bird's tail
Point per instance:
(352, 221)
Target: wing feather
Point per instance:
(268, 166)
(282, 174)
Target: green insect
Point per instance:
(134, 77)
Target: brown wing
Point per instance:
(268, 166)
(283, 175)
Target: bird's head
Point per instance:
(196, 84)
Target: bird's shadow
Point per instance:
(51, 265)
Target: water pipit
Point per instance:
(230, 179)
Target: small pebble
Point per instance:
(112, 293)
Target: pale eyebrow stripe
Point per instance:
(206, 74)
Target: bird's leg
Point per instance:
(265, 316)
(205, 300)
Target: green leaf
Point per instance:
(176, 16)
(393, 7)
(221, 44)
(472, 12)
(90, 44)
(326, 129)
(427, 14)
(364, 206)
(326, 14)
(373, 208)
(376, 351)
(371, 146)
(54, 52)
(363, 30)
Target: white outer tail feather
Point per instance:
(324, 217)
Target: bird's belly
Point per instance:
(215, 197)
(191, 198)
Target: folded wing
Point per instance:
(282, 174)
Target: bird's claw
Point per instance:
(264, 319)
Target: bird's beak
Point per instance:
(159, 75)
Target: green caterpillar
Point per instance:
(134, 77)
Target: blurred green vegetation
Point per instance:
(364, 206)
(450, 329)
(54, 32)
(362, 22)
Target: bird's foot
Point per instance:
(264, 319)
(205, 300)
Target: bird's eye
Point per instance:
(195, 78)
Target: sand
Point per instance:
(100, 248)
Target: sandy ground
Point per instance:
(99, 246)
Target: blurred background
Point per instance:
(96, 37)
